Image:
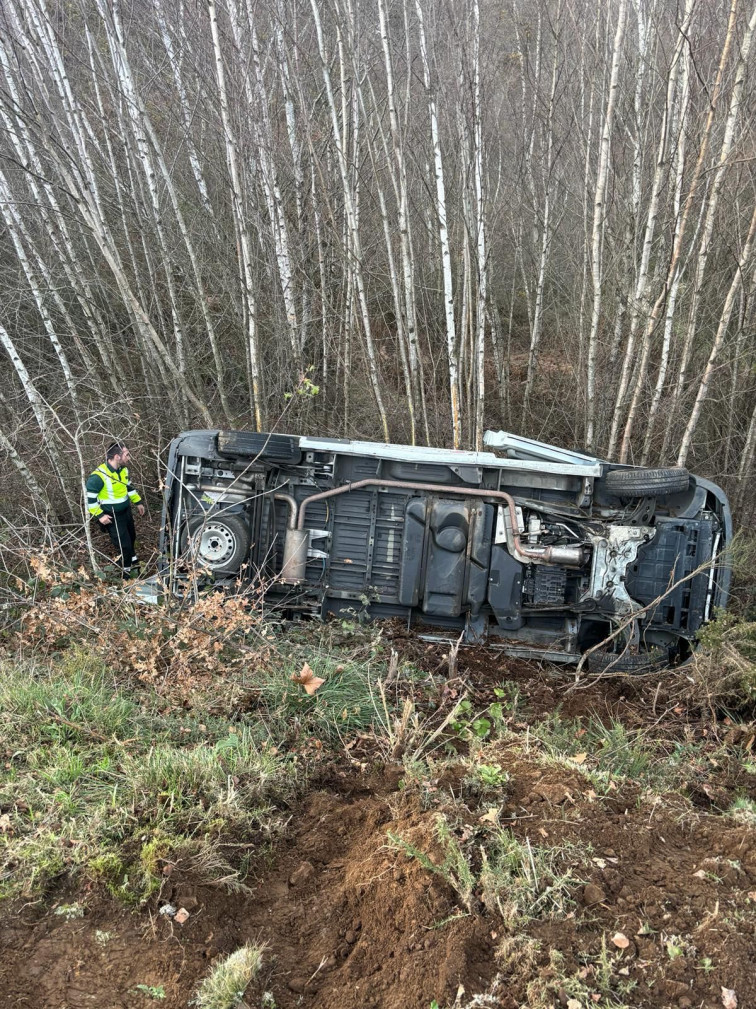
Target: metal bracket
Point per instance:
(612, 554)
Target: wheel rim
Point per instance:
(214, 544)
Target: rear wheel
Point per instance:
(646, 482)
(218, 543)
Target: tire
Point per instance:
(275, 448)
(646, 482)
(630, 662)
(218, 543)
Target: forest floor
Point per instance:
(425, 830)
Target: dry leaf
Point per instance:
(701, 874)
(572, 1003)
(542, 832)
(5, 824)
(729, 998)
(580, 758)
(492, 816)
(620, 940)
(308, 679)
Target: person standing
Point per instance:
(110, 496)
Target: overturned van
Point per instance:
(544, 552)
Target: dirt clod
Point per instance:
(593, 894)
(302, 874)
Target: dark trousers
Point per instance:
(123, 537)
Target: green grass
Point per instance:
(608, 752)
(107, 779)
(342, 705)
(96, 781)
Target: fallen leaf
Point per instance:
(624, 971)
(308, 679)
(542, 832)
(729, 998)
(492, 816)
(701, 874)
(181, 915)
(595, 997)
(580, 758)
(572, 1003)
(5, 824)
(752, 894)
(620, 940)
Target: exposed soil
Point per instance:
(350, 922)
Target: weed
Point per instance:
(521, 881)
(102, 938)
(70, 911)
(224, 987)
(454, 868)
(598, 981)
(526, 881)
(489, 775)
(677, 946)
(706, 964)
(743, 810)
(469, 726)
(151, 990)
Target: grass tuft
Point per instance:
(224, 987)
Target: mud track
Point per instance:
(350, 923)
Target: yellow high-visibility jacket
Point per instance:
(109, 491)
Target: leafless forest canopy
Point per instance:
(399, 219)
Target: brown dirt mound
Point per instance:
(345, 921)
(351, 924)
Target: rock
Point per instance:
(553, 793)
(302, 874)
(593, 894)
(685, 1002)
(297, 985)
(181, 916)
(351, 937)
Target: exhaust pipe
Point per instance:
(297, 541)
(296, 545)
